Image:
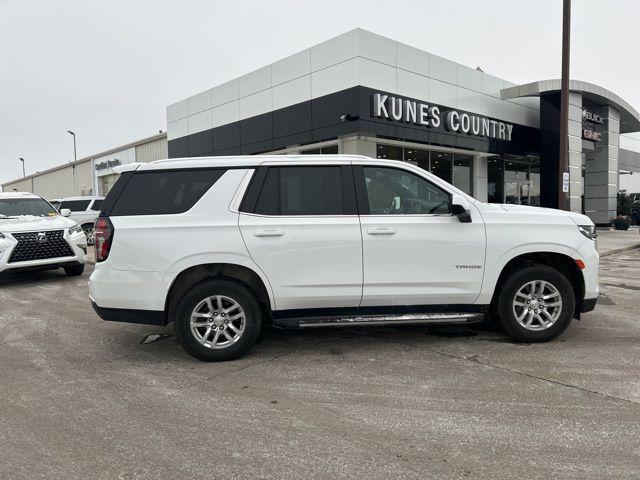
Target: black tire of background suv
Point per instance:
(253, 319)
(515, 282)
(74, 270)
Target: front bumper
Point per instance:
(77, 242)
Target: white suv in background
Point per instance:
(84, 211)
(220, 245)
(34, 235)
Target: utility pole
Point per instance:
(563, 160)
(75, 156)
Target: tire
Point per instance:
(547, 319)
(216, 339)
(74, 270)
(87, 228)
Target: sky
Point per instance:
(107, 69)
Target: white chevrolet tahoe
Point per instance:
(221, 245)
(34, 236)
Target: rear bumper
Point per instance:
(146, 317)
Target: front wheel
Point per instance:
(87, 228)
(536, 304)
(218, 320)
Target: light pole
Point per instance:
(22, 160)
(563, 163)
(75, 156)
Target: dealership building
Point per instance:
(361, 93)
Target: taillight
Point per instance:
(103, 235)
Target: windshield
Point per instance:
(14, 207)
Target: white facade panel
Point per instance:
(292, 67)
(335, 78)
(255, 81)
(256, 104)
(412, 59)
(292, 92)
(226, 113)
(334, 51)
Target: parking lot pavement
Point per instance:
(84, 398)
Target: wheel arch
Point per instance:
(561, 262)
(195, 274)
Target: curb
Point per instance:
(620, 250)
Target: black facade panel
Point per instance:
(327, 110)
(295, 139)
(256, 129)
(319, 119)
(228, 151)
(257, 147)
(201, 143)
(178, 147)
(291, 120)
(226, 136)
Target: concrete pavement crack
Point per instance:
(529, 375)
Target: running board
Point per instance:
(377, 320)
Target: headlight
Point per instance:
(75, 229)
(588, 231)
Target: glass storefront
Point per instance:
(514, 180)
(452, 167)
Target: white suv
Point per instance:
(220, 245)
(84, 211)
(34, 235)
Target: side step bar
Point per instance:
(376, 320)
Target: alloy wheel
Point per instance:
(537, 305)
(217, 322)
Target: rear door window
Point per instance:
(313, 190)
(75, 205)
(164, 191)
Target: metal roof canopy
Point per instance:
(629, 117)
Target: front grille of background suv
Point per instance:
(29, 248)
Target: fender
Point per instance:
(214, 257)
(492, 272)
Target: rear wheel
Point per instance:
(536, 304)
(218, 320)
(74, 270)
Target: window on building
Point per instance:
(301, 191)
(389, 152)
(391, 191)
(329, 150)
(75, 205)
(164, 192)
(462, 172)
(417, 157)
(441, 165)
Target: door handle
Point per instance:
(381, 231)
(268, 233)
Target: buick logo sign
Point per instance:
(41, 237)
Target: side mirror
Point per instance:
(460, 208)
(65, 212)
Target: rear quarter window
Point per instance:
(163, 192)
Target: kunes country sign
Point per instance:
(404, 110)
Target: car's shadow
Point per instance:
(161, 342)
(21, 278)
